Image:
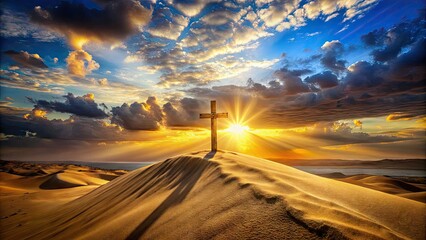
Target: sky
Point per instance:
(126, 80)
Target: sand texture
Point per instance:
(206, 196)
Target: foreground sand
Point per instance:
(225, 196)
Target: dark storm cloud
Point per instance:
(291, 80)
(333, 50)
(374, 38)
(21, 122)
(25, 59)
(390, 43)
(114, 22)
(138, 116)
(410, 66)
(323, 80)
(74, 128)
(363, 75)
(84, 106)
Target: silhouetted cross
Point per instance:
(213, 116)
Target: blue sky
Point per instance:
(305, 63)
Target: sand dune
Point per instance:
(384, 184)
(28, 191)
(53, 176)
(226, 196)
(403, 188)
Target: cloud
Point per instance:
(223, 16)
(138, 116)
(217, 34)
(277, 11)
(358, 123)
(293, 14)
(114, 22)
(292, 83)
(166, 24)
(36, 113)
(191, 8)
(341, 133)
(179, 68)
(25, 59)
(366, 90)
(57, 80)
(400, 116)
(329, 17)
(312, 34)
(80, 63)
(344, 28)
(84, 106)
(374, 38)
(329, 8)
(323, 80)
(184, 112)
(390, 43)
(409, 66)
(16, 24)
(364, 75)
(295, 21)
(74, 128)
(28, 81)
(103, 82)
(7, 109)
(220, 32)
(332, 50)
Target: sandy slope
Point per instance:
(228, 196)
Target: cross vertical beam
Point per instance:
(213, 124)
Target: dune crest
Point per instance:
(228, 195)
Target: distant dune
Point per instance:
(201, 196)
(414, 191)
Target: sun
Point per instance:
(237, 129)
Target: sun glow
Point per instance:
(238, 129)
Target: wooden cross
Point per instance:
(213, 116)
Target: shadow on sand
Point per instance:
(186, 183)
(209, 155)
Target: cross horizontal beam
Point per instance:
(213, 115)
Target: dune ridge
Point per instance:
(228, 195)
